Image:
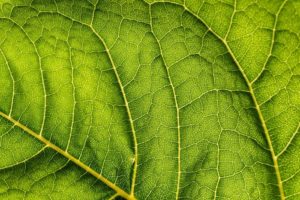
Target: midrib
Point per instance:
(64, 153)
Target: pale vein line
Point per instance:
(13, 82)
(218, 154)
(42, 77)
(64, 153)
(134, 175)
(131, 196)
(231, 20)
(93, 14)
(40, 69)
(73, 91)
(176, 106)
(257, 107)
(292, 176)
(272, 42)
(290, 141)
(25, 160)
(135, 143)
(209, 91)
(293, 195)
(92, 117)
(113, 197)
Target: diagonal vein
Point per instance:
(272, 42)
(251, 91)
(127, 110)
(290, 141)
(13, 82)
(64, 153)
(41, 73)
(97, 175)
(126, 102)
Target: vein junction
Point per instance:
(64, 153)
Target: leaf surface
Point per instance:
(149, 100)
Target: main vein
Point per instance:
(250, 88)
(64, 153)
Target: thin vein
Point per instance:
(231, 20)
(13, 83)
(92, 118)
(41, 73)
(113, 197)
(272, 42)
(257, 107)
(218, 154)
(49, 144)
(93, 14)
(289, 142)
(25, 160)
(134, 175)
(73, 94)
(263, 123)
(176, 106)
(131, 196)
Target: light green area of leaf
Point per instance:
(181, 99)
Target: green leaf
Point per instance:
(133, 99)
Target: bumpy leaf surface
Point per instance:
(144, 99)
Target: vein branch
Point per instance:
(64, 153)
(135, 143)
(41, 73)
(13, 82)
(272, 42)
(127, 110)
(250, 88)
(290, 141)
(176, 106)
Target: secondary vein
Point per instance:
(13, 82)
(64, 153)
(176, 106)
(272, 42)
(249, 85)
(134, 175)
(131, 196)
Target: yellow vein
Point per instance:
(176, 106)
(290, 141)
(73, 89)
(113, 197)
(231, 20)
(127, 109)
(218, 154)
(93, 14)
(13, 82)
(260, 115)
(40, 69)
(257, 107)
(123, 95)
(272, 41)
(64, 153)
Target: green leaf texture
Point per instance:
(149, 99)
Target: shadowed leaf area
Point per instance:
(149, 99)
